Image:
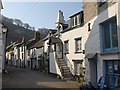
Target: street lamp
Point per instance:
(4, 31)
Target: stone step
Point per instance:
(65, 71)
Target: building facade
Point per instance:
(66, 46)
(102, 46)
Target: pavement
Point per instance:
(27, 78)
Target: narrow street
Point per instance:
(26, 78)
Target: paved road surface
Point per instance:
(26, 78)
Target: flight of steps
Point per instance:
(65, 71)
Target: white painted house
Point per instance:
(10, 53)
(66, 46)
(33, 54)
(25, 53)
(88, 46)
(102, 48)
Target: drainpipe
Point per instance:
(96, 68)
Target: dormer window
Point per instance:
(76, 19)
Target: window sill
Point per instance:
(110, 52)
(66, 53)
(78, 52)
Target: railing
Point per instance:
(70, 66)
(67, 62)
(58, 61)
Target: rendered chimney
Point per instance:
(60, 17)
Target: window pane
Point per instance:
(110, 67)
(117, 81)
(109, 80)
(114, 34)
(113, 73)
(76, 20)
(72, 22)
(107, 35)
(66, 47)
(117, 67)
(78, 45)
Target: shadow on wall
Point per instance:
(96, 39)
(119, 40)
(119, 27)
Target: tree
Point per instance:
(26, 25)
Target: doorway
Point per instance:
(93, 71)
(59, 50)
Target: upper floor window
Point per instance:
(21, 49)
(109, 34)
(66, 46)
(76, 19)
(28, 52)
(78, 45)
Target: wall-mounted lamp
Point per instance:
(4, 29)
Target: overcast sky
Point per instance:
(40, 14)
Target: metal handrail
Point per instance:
(69, 65)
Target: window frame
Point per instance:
(66, 42)
(103, 35)
(75, 20)
(112, 72)
(78, 62)
(76, 40)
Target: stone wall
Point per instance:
(90, 10)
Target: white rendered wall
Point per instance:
(93, 44)
(53, 64)
(71, 35)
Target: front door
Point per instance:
(93, 71)
(112, 71)
(78, 68)
(59, 50)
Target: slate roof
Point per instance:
(38, 44)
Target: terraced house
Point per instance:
(88, 42)
(102, 48)
(66, 47)
(86, 47)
